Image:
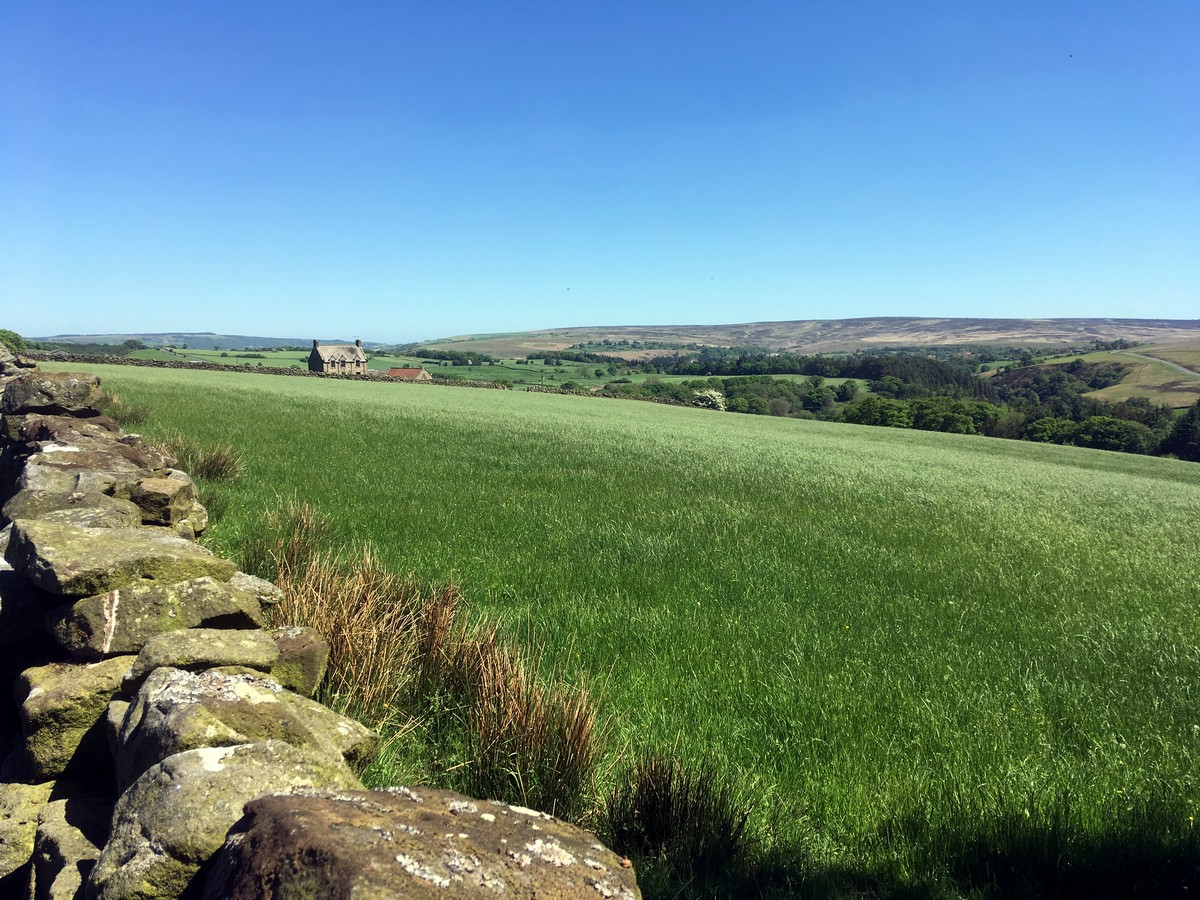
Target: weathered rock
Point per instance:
(122, 620)
(168, 824)
(163, 501)
(20, 806)
(78, 562)
(206, 648)
(175, 711)
(70, 834)
(303, 655)
(102, 470)
(409, 843)
(62, 715)
(53, 392)
(267, 594)
(63, 429)
(12, 363)
(73, 508)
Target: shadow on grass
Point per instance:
(1149, 851)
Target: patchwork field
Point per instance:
(943, 665)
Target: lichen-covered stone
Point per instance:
(303, 655)
(73, 508)
(70, 834)
(78, 562)
(20, 806)
(413, 843)
(206, 648)
(122, 620)
(163, 501)
(101, 470)
(168, 824)
(174, 711)
(62, 715)
(267, 594)
(72, 392)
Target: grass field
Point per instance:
(944, 665)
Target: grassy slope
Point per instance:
(881, 627)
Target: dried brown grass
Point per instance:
(404, 659)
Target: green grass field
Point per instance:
(945, 665)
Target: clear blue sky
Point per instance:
(408, 170)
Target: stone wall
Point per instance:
(160, 741)
(197, 365)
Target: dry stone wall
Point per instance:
(160, 742)
(199, 365)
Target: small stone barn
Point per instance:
(410, 373)
(339, 359)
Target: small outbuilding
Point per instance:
(410, 373)
(338, 359)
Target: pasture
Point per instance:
(940, 664)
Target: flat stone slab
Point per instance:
(412, 843)
(122, 620)
(78, 562)
(169, 823)
(206, 648)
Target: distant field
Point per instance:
(1156, 381)
(1186, 355)
(920, 649)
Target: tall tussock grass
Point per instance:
(685, 823)
(212, 462)
(405, 660)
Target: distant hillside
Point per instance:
(205, 340)
(842, 335)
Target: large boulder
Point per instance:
(175, 710)
(78, 562)
(303, 655)
(410, 843)
(122, 620)
(169, 823)
(206, 648)
(52, 392)
(70, 834)
(62, 716)
(20, 806)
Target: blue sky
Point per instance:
(408, 170)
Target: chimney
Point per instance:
(315, 342)
(357, 342)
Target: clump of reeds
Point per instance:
(405, 659)
(686, 819)
(124, 414)
(216, 462)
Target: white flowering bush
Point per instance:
(709, 399)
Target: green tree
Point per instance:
(1184, 439)
(13, 341)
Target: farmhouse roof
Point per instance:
(333, 352)
(406, 372)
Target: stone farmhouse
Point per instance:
(410, 373)
(338, 359)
